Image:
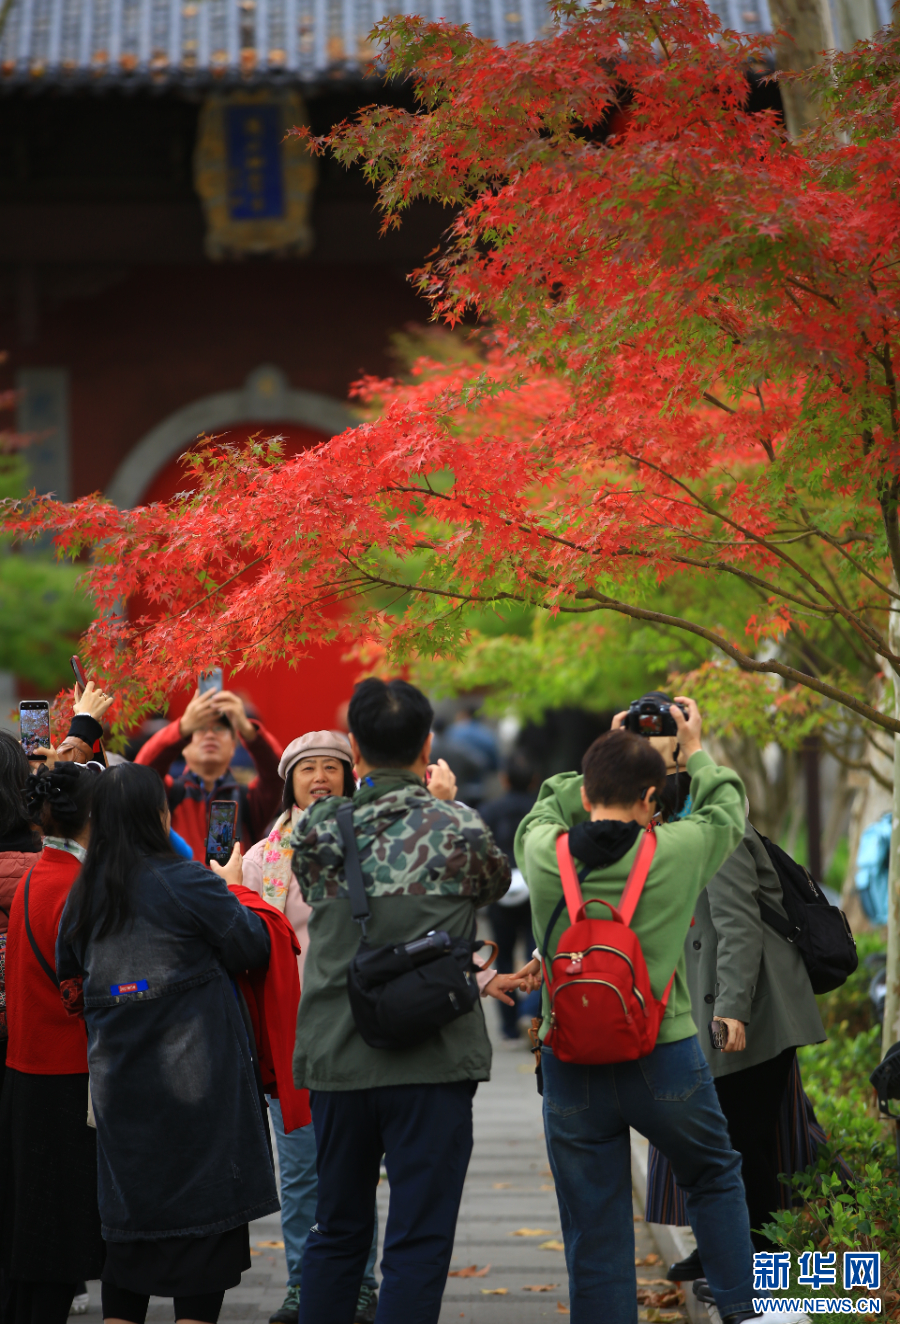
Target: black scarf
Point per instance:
(603, 842)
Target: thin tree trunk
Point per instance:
(809, 30)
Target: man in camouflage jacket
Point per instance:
(427, 864)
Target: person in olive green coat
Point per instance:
(743, 974)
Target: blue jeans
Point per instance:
(299, 1190)
(669, 1097)
(425, 1135)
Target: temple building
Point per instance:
(170, 266)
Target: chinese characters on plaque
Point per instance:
(256, 184)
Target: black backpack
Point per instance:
(819, 930)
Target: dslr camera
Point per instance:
(651, 716)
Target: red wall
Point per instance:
(289, 700)
(141, 343)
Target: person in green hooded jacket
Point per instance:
(668, 1096)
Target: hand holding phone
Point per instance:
(222, 833)
(232, 873)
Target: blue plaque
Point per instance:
(253, 142)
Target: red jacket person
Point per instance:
(206, 737)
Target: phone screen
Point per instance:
(34, 724)
(210, 680)
(222, 829)
(79, 671)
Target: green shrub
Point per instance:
(850, 1003)
(866, 1215)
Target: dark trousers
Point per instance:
(37, 1303)
(509, 924)
(751, 1101)
(424, 1133)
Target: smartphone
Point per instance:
(81, 680)
(210, 680)
(718, 1035)
(80, 677)
(34, 724)
(222, 830)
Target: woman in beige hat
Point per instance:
(313, 766)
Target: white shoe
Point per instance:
(80, 1304)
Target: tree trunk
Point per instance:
(809, 30)
(892, 1001)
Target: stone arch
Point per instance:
(266, 395)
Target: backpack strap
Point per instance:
(570, 883)
(39, 955)
(638, 876)
(359, 902)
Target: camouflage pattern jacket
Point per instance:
(427, 864)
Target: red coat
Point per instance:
(273, 996)
(43, 1039)
(189, 801)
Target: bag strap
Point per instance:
(570, 884)
(359, 902)
(39, 955)
(638, 876)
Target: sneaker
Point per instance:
(686, 1270)
(289, 1309)
(366, 1306)
(80, 1302)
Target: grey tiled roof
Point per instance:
(133, 41)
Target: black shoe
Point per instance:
(366, 1306)
(289, 1309)
(686, 1270)
(702, 1292)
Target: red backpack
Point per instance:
(602, 1009)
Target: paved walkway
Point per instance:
(508, 1189)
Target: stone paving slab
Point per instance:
(508, 1187)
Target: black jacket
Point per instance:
(181, 1141)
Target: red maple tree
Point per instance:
(691, 330)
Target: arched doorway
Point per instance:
(288, 700)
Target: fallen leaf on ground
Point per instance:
(659, 1282)
(551, 1187)
(552, 1245)
(494, 1291)
(660, 1300)
(662, 1316)
(531, 1232)
(255, 1252)
(637, 1218)
(561, 1309)
(541, 1287)
(502, 1185)
(470, 1271)
(271, 1245)
(648, 1259)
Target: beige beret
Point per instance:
(315, 744)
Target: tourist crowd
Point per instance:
(163, 1014)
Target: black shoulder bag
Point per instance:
(820, 931)
(402, 995)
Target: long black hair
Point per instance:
(59, 798)
(127, 825)
(14, 773)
